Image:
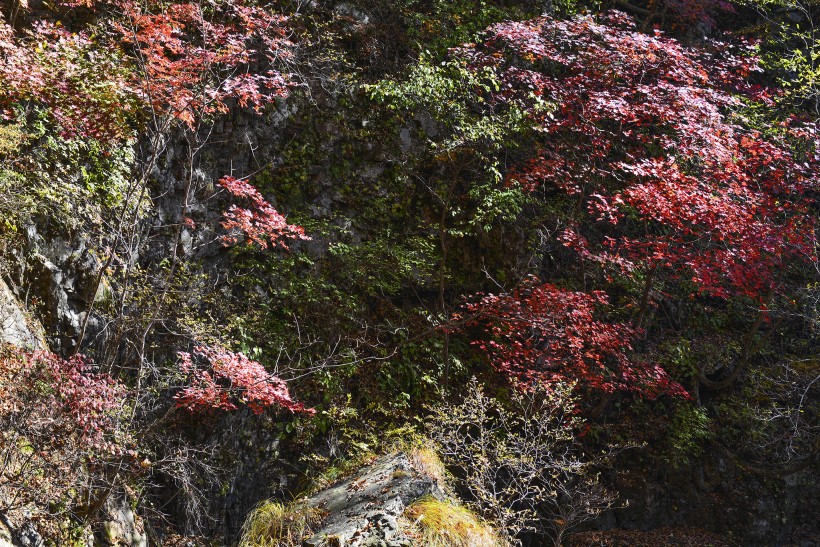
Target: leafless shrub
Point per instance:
(520, 464)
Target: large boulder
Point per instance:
(365, 509)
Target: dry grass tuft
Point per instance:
(273, 524)
(427, 462)
(444, 524)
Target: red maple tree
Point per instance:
(195, 57)
(647, 138)
(642, 133)
(542, 333)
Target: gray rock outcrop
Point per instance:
(365, 510)
(16, 327)
(121, 526)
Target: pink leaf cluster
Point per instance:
(90, 397)
(262, 224)
(66, 398)
(228, 378)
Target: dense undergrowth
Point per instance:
(269, 240)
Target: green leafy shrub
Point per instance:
(689, 430)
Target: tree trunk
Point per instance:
(647, 290)
(742, 361)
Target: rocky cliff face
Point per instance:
(714, 494)
(373, 281)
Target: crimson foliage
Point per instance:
(195, 57)
(66, 399)
(542, 333)
(647, 138)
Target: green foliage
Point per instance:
(800, 68)
(494, 203)
(15, 202)
(455, 98)
(85, 90)
(469, 142)
(688, 432)
(73, 181)
(324, 474)
(73, 534)
(417, 371)
(80, 180)
(392, 262)
(441, 24)
(678, 359)
(12, 137)
(790, 50)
